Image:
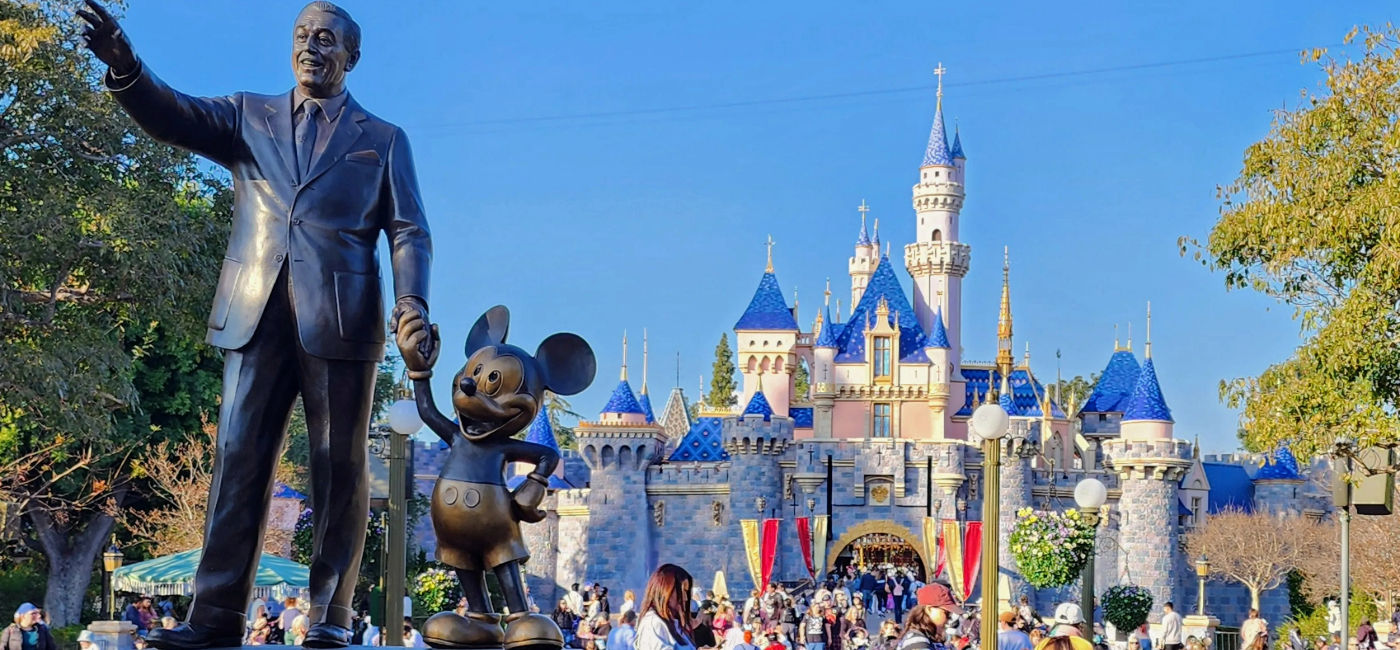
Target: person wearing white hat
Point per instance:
(28, 632)
(85, 640)
(1068, 618)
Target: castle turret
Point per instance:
(939, 376)
(824, 372)
(755, 441)
(1150, 464)
(767, 342)
(866, 257)
(1278, 484)
(618, 449)
(937, 260)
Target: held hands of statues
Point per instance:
(107, 40)
(416, 339)
(528, 497)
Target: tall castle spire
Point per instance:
(938, 153)
(624, 355)
(644, 361)
(1004, 356)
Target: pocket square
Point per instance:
(368, 156)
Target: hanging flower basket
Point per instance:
(1051, 548)
(1126, 606)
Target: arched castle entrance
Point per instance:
(875, 542)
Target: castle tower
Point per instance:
(1150, 464)
(866, 257)
(1278, 483)
(618, 449)
(756, 441)
(824, 371)
(767, 342)
(940, 377)
(937, 261)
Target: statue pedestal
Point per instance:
(1200, 626)
(113, 635)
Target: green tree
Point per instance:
(722, 376)
(1313, 221)
(801, 382)
(1071, 393)
(112, 244)
(560, 408)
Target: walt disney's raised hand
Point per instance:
(418, 344)
(528, 498)
(107, 40)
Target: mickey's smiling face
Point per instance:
(497, 391)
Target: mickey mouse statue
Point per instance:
(476, 518)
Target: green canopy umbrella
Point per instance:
(174, 575)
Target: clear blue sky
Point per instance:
(656, 219)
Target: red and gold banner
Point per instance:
(749, 527)
(804, 538)
(819, 531)
(953, 554)
(972, 557)
(933, 546)
(770, 548)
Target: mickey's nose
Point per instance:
(467, 386)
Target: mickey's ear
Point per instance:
(568, 363)
(490, 329)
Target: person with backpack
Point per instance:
(28, 632)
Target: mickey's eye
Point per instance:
(494, 377)
(476, 371)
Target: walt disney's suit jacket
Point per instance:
(325, 228)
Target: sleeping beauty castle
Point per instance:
(874, 463)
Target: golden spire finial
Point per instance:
(624, 355)
(1147, 345)
(1130, 335)
(769, 268)
(644, 361)
(1004, 329)
(826, 295)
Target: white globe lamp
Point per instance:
(1090, 494)
(403, 417)
(991, 421)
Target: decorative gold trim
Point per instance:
(572, 511)
(880, 526)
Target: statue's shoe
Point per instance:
(530, 631)
(326, 635)
(189, 636)
(476, 631)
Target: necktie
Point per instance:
(306, 137)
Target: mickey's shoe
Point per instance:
(475, 631)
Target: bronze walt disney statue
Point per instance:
(476, 518)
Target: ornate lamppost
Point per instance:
(403, 422)
(991, 422)
(1090, 495)
(1202, 572)
(112, 560)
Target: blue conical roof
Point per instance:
(1283, 467)
(645, 402)
(1116, 384)
(758, 405)
(623, 401)
(768, 309)
(1007, 403)
(541, 432)
(883, 284)
(703, 443)
(1147, 402)
(957, 151)
(939, 337)
(830, 330)
(937, 152)
(863, 239)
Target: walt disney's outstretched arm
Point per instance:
(413, 337)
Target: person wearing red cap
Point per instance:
(926, 623)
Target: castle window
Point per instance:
(882, 421)
(882, 356)
(1195, 510)
(937, 235)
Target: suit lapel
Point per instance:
(347, 131)
(279, 124)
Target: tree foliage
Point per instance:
(722, 384)
(1277, 545)
(1313, 220)
(1070, 394)
(801, 382)
(111, 248)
